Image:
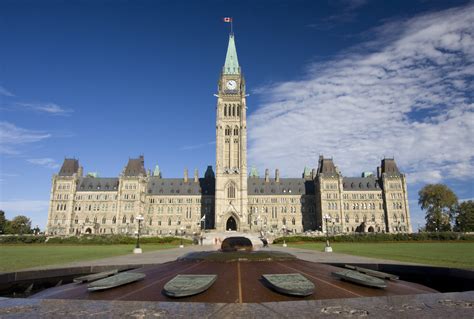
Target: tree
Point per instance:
(3, 222)
(440, 203)
(465, 217)
(20, 225)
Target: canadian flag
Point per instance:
(227, 19)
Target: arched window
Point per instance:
(150, 222)
(228, 131)
(114, 220)
(236, 131)
(238, 110)
(284, 221)
(132, 219)
(124, 219)
(357, 218)
(373, 217)
(402, 218)
(76, 220)
(347, 218)
(225, 109)
(169, 221)
(95, 219)
(103, 220)
(231, 191)
(293, 221)
(233, 110)
(87, 219)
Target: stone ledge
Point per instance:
(459, 304)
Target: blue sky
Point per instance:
(356, 80)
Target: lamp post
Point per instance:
(181, 245)
(327, 248)
(284, 234)
(137, 249)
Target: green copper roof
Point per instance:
(231, 65)
(253, 172)
(156, 171)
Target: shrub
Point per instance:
(442, 236)
(22, 239)
(113, 240)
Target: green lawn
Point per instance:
(448, 254)
(15, 257)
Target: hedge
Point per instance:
(441, 236)
(90, 240)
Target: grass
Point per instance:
(16, 257)
(447, 254)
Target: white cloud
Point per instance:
(49, 108)
(12, 136)
(46, 162)
(5, 92)
(407, 93)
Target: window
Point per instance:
(231, 191)
(225, 109)
(114, 220)
(236, 131)
(347, 218)
(103, 220)
(169, 221)
(124, 219)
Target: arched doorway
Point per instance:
(88, 231)
(231, 224)
(371, 229)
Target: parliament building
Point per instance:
(229, 197)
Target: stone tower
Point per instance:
(231, 146)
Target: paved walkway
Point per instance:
(166, 255)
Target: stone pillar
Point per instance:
(185, 175)
(196, 175)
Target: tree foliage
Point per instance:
(3, 222)
(440, 204)
(465, 217)
(19, 225)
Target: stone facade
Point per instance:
(228, 198)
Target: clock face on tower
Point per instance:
(231, 85)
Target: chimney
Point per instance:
(196, 175)
(80, 171)
(277, 175)
(185, 175)
(267, 176)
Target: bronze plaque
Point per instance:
(188, 285)
(290, 284)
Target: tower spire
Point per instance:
(231, 65)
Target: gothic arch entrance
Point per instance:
(231, 224)
(371, 229)
(88, 231)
